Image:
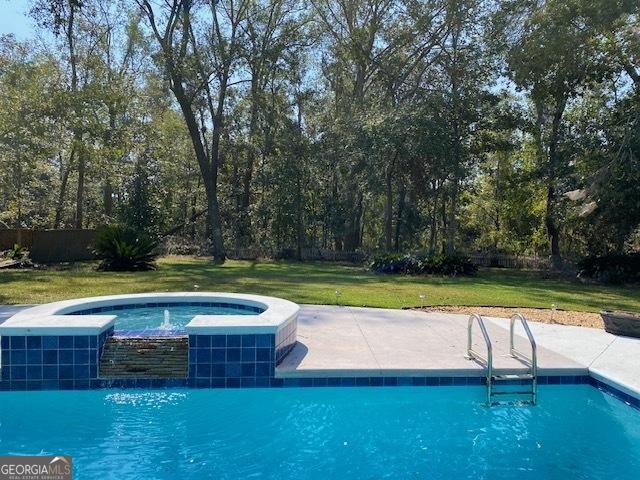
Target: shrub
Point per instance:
(16, 257)
(17, 252)
(122, 249)
(391, 263)
(424, 263)
(613, 268)
(449, 265)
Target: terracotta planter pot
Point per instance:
(622, 323)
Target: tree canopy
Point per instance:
(358, 125)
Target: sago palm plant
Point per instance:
(122, 249)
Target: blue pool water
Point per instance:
(142, 317)
(576, 432)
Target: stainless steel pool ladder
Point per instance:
(531, 376)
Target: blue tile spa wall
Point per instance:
(51, 362)
(231, 360)
(247, 360)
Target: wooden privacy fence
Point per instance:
(50, 246)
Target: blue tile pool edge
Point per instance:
(304, 382)
(614, 391)
(274, 382)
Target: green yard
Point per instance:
(317, 283)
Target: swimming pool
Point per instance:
(166, 315)
(361, 433)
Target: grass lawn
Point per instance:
(317, 283)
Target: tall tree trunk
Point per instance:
(218, 253)
(444, 221)
(338, 240)
(18, 179)
(363, 223)
(299, 219)
(108, 199)
(245, 217)
(388, 204)
(236, 201)
(352, 224)
(215, 223)
(299, 173)
(175, 58)
(550, 216)
(77, 133)
(194, 200)
(388, 210)
(108, 141)
(401, 199)
(550, 160)
(245, 203)
(64, 180)
(208, 171)
(452, 223)
(357, 225)
(433, 237)
(456, 108)
(552, 229)
(80, 191)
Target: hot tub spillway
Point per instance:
(145, 357)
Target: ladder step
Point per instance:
(512, 376)
(515, 392)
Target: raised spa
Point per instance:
(227, 339)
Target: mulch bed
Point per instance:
(543, 315)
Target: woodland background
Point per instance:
(449, 126)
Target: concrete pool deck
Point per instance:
(350, 341)
(7, 311)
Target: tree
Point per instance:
(194, 60)
(29, 131)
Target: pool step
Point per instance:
(152, 357)
(514, 392)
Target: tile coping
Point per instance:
(56, 325)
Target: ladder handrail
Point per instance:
(474, 355)
(534, 348)
(483, 329)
